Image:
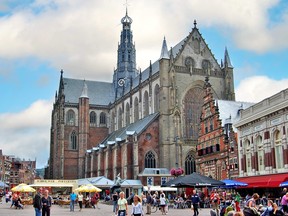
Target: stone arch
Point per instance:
(150, 159)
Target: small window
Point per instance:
(102, 118)
(70, 120)
(73, 141)
(92, 118)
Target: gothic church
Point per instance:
(142, 119)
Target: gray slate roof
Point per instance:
(231, 108)
(99, 93)
(100, 181)
(138, 127)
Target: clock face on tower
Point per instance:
(121, 82)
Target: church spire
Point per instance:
(84, 91)
(126, 58)
(164, 50)
(227, 62)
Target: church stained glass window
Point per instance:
(73, 140)
(102, 118)
(70, 120)
(150, 161)
(136, 110)
(156, 98)
(190, 165)
(193, 102)
(146, 104)
(92, 118)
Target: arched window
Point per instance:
(73, 141)
(206, 65)
(150, 161)
(146, 104)
(156, 98)
(102, 119)
(190, 165)
(136, 110)
(92, 118)
(70, 119)
(127, 114)
(278, 150)
(193, 102)
(119, 118)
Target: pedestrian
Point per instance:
(72, 201)
(14, 199)
(195, 200)
(80, 200)
(276, 211)
(237, 202)
(37, 203)
(122, 205)
(284, 203)
(137, 209)
(115, 199)
(46, 203)
(162, 204)
(149, 201)
(97, 198)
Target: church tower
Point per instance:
(126, 58)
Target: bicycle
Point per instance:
(155, 207)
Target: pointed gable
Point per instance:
(195, 47)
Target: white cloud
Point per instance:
(81, 36)
(26, 134)
(256, 88)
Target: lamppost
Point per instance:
(227, 127)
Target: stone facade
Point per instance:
(161, 104)
(263, 137)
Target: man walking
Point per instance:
(72, 201)
(195, 202)
(149, 201)
(37, 203)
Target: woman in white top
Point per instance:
(80, 200)
(162, 203)
(137, 206)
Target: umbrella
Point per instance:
(284, 184)
(229, 183)
(88, 188)
(3, 185)
(23, 188)
(193, 180)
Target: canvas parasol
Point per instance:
(88, 188)
(193, 180)
(284, 184)
(229, 183)
(23, 188)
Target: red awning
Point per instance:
(272, 180)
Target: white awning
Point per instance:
(47, 184)
(159, 188)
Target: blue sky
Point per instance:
(41, 37)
